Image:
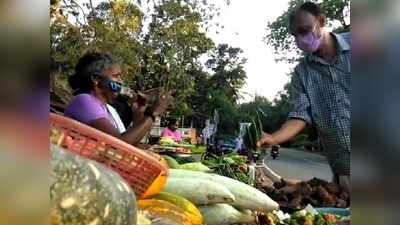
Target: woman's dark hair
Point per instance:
(309, 7)
(90, 64)
(171, 122)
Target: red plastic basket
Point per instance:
(145, 174)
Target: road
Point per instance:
(295, 164)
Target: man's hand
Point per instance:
(288, 131)
(266, 141)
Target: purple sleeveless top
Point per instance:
(86, 108)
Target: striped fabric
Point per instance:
(321, 97)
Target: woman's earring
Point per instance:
(95, 80)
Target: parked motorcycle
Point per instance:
(275, 151)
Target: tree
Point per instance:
(259, 105)
(228, 113)
(175, 34)
(229, 75)
(199, 101)
(278, 35)
(110, 27)
(218, 89)
(206, 9)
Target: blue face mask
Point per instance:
(114, 86)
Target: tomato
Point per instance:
(330, 217)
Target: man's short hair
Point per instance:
(309, 7)
(312, 8)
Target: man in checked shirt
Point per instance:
(321, 90)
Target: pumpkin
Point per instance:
(84, 192)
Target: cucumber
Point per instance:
(195, 166)
(172, 163)
(247, 217)
(199, 191)
(219, 214)
(224, 214)
(245, 196)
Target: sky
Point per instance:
(245, 25)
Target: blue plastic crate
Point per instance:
(335, 211)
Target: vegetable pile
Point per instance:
(166, 141)
(199, 149)
(316, 192)
(195, 166)
(231, 165)
(253, 133)
(303, 217)
(192, 195)
(169, 145)
(221, 200)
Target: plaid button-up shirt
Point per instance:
(321, 97)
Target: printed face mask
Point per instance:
(114, 86)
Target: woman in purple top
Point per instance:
(171, 131)
(96, 83)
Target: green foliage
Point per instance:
(228, 112)
(253, 133)
(278, 33)
(206, 9)
(231, 165)
(300, 141)
(110, 27)
(272, 114)
(260, 105)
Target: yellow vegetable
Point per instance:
(164, 212)
(190, 209)
(142, 218)
(167, 141)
